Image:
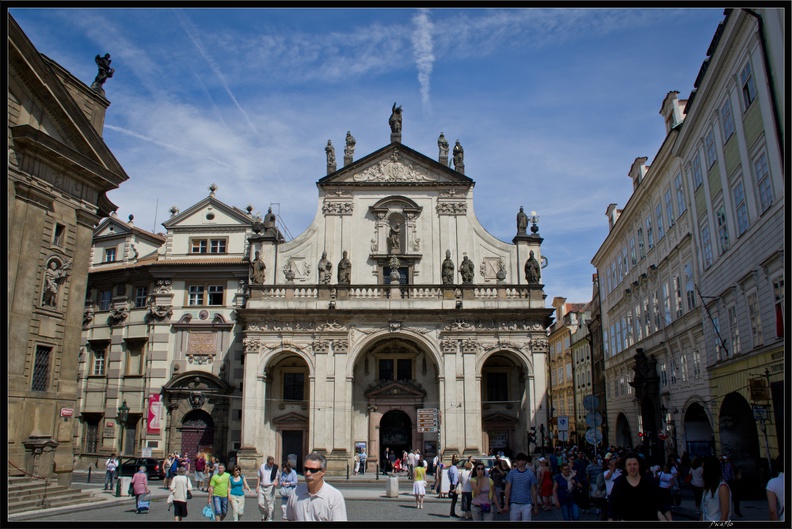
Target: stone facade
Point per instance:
(59, 170)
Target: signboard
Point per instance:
(590, 402)
(154, 413)
(593, 436)
(145, 451)
(67, 412)
(759, 412)
(662, 435)
(758, 389)
(563, 423)
(593, 419)
(427, 419)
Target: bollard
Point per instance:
(347, 471)
(89, 474)
(118, 488)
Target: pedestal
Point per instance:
(392, 487)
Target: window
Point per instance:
(649, 234)
(680, 194)
(105, 297)
(619, 335)
(747, 83)
(196, 295)
(707, 244)
(215, 295)
(403, 369)
(569, 372)
(734, 331)
(673, 370)
(134, 357)
(709, 148)
(141, 293)
(647, 318)
(630, 337)
(697, 179)
(641, 249)
(98, 368)
(696, 364)
(678, 296)
(613, 348)
(625, 263)
(683, 366)
(723, 229)
(41, 369)
(58, 234)
(763, 184)
(719, 354)
(659, 217)
(727, 119)
(755, 319)
(605, 348)
(621, 384)
(91, 434)
(633, 258)
(208, 246)
(663, 373)
(740, 209)
(666, 303)
(669, 204)
(497, 386)
(294, 386)
(638, 322)
(110, 255)
(690, 291)
(656, 310)
(778, 295)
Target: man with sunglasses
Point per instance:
(315, 500)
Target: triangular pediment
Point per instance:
(499, 417)
(196, 381)
(291, 418)
(196, 215)
(111, 227)
(396, 164)
(399, 388)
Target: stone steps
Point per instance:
(27, 494)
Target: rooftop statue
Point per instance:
(395, 120)
(330, 150)
(448, 269)
(467, 269)
(349, 150)
(105, 72)
(442, 144)
(459, 155)
(532, 269)
(522, 221)
(344, 269)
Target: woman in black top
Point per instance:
(634, 496)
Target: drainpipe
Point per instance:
(769, 77)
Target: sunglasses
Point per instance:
(311, 470)
(479, 468)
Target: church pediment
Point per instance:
(209, 209)
(196, 381)
(396, 164)
(499, 417)
(291, 418)
(400, 388)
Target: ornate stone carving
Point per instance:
(331, 326)
(341, 346)
(395, 168)
(118, 315)
(419, 330)
(163, 286)
(160, 312)
(251, 345)
(458, 325)
(197, 399)
(470, 346)
(369, 331)
(200, 359)
(321, 347)
(337, 208)
(88, 313)
(500, 345)
(448, 346)
(55, 275)
(451, 208)
(539, 345)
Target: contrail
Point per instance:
(422, 52)
(188, 28)
(164, 145)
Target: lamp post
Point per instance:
(123, 415)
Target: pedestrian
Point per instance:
(545, 479)
(215, 466)
(438, 474)
(288, 481)
(111, 469)
(139, 485)
(565, 486)
(665, 480)
(316, 500)
(179, 487)
(236, 495)
(410, 465)
(200, 467)
(218, 493)
(363, 457)
(265, 488)
(453, 485)
(466, 489)
(174, 465)
(498, 476)
(635, 496)
(697, 481)
(521, 496)
(485, 502)
(716, 500)
(419, 485)
(386, 466)
(733, 477)
(166, 467)
(357, 463)
(775, 491)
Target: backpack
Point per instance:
(175, 465)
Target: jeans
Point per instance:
(109, 476)
(520, 511)
(454, 497)
(467, 498)
(570, 511)
(484, 516)
(220, 505)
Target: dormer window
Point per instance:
(208, 246)
(110, 255)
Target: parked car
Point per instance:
(153, 466)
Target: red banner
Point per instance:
(154, 414)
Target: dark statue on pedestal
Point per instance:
(105, 72)
(344, 270)
(448, 269)
(532, 269)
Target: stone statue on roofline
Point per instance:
(105, 72)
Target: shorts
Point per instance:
(179, 508)
(200, 477)
(220, 505)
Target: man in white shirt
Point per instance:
(410, 464)
(111, 466)
(265, 488)
(610, 476)
(315, 500)
(775, 492)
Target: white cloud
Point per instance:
(422, 52)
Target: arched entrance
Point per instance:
(197, 433)
(623, 434)
(395, 432)
(698, 431)
(503, 386)
(739, 438)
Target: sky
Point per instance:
(551, 105)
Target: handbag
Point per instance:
(485, 507)
(208, 512)
(131, 490)
(189, 495)
(170, 498)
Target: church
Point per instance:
(395, 320)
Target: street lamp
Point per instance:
(123, 415)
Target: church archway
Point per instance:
(623, 433)
(395, 432)
(197, 433)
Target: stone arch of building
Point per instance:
(739, 438)
(359, 349)
(623, 431)
(267, 361)
(697, 426)
(519, 357)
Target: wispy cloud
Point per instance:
(192, 33)
(422, 52)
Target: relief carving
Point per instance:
(163, 286)
(337, 208)
(451, 208)
(395, 169)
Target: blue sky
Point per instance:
(551, 105)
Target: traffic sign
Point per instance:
(563, 423)
(662, 435)
(590, 402)
(593, 419)
(593, 436)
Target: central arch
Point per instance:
(395, 433)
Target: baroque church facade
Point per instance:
(394, 320)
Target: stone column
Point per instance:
(374, 449)
(254, 392)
